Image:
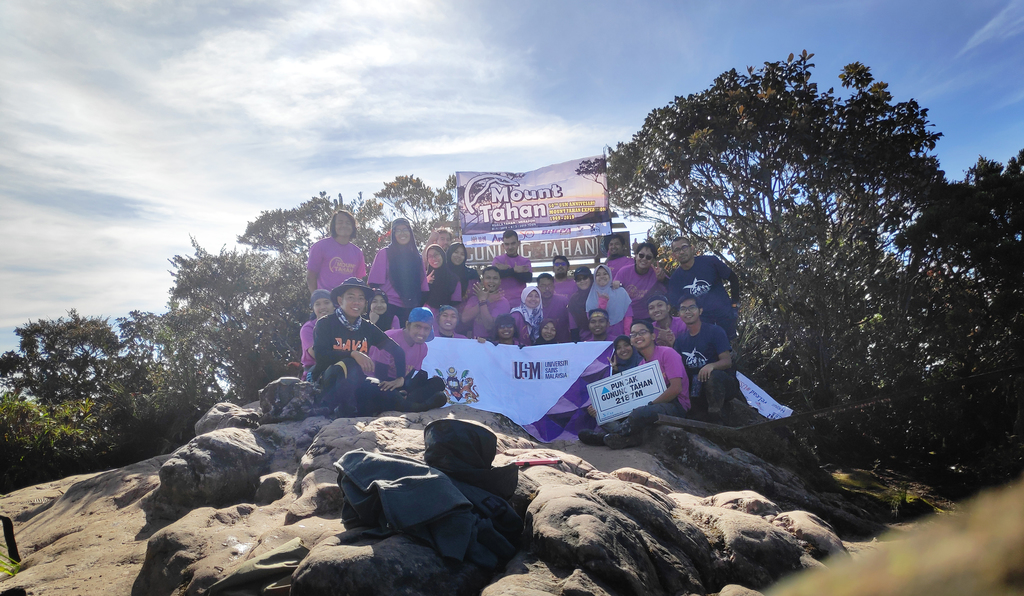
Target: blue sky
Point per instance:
(128, 126)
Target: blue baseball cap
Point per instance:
(422, 314)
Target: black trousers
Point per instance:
(346, 390)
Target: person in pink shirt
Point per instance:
(516, 270)
(641, 279)
(666, 327)
(486, 303)
(528, 316)
(556, 307)
(398, 270)
(565, 286)
(334, 259)
(618, 254)
(615, 301)
(446, 321)
(422, 388)
(598, 326)
(322, 306)
(628, 432)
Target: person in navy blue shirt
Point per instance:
(703, 277)
(707, 358)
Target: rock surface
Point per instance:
(678, 516)
(227, 415)
(221, 467)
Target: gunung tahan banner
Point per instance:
(541, 388)
(566, 200)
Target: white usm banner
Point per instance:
(760, 400)
(565, 200)
(521, 383)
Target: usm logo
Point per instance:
(526, 370)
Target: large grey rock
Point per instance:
(526, 575)
(273, 487)
(227, 415)
(625, 535)
(812, 531)
(320, 496)
(287, 398)
(215, 469)
(746, 501)
(752, 552)
(395, 566)
(737, 470)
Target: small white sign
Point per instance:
(760, 400)
(618, 395)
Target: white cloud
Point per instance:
(125, 127)
(1008, 23)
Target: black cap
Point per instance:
(582, 271)
(352, 282)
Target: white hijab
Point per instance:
(533, 317)
(618, 300)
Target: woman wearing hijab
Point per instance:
(381, 313)
(398, 270)
(616, 301)
(626, 356)
(469, 277)
(529, 315)
(457, 256)
(548, 332)
(445, 287)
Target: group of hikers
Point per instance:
(366, 340)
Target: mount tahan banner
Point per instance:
(565, 200)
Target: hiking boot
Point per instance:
(438, 400)
(592, 437)
(621, 441)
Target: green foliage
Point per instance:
(801, 190)
(67, 359)
(144, 392)
(244, 306)
(426, 208)
(862, 269)
(968, 242)
(8, 565)
(42, 442)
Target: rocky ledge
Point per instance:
(679, 516)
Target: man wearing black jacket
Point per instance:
(341, 343)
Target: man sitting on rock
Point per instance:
(412, 339)
(707, 356)
(342, 343)
(628, 432)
